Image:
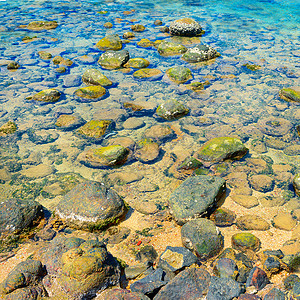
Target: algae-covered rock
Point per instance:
(59, 60)
(185, 27)
(90, 205)
(202, 237)
(95, 129)
(171, 110)
(222, 148)
(137, 63)
(8, 128)
(48, 96)
(245, 240)
(146, 150)
(95, 77)
(146, 73)
(103, 157)
(90, 93)
(145, 43)
(113, 59)
(110, 42)
(179, 74)
(160, 133)
(200, 53)
(42, 25)
(290, 94)
(69, 122)
(13, 65)
(138, 27)
(195, 197)
(252, 67)
(45, 55)
(170, 49)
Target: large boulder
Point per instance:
(202, 237)
(200, 53)
(90, 205)
(195, 197)
(113, 59)
(185, 27)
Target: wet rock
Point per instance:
(275, 142)
(248, 297)
(117, 234)
(72, 80)
(290, 94)
(245, 201)
(42, 25)
(296, 290)
(150, 284)
(222, 148)
(252, 222)
(108, 25)
(272, 265)
(226, 268)
(95, 130)
(90, 205)
(137, 63)
(120, 294)
(39, 171)
(110, 42)
(145, 43)
(128, 35)
(176, 258)
(274, 126)
(179, 74)
(8, 128)
(146, 73)
(275, 293)
(95, 77)
(262, 183)
(132, 272)
(146, 151)
(61, 69)
(69, 122)
(245, 240)
(200, 53)
(113, 59)
(138, 28)
(133, 123)
(291, 250)
(103, 157)
(139, 108)
(189, 284)
(171, 110)
(257, 278)
(48, 96)
(59, 60)
(13, 66)
(189, 164)
(290, 281)
(185, 27)
(170, 49)
(202, 237)
(195, 197)
(90, 93)
(158, 23)
(160, 133)
(223, 288)
(284, 221)
(121, 178)
(292, 150)
(270, 201)
(223, 217)
(146, 255)
(4, 175)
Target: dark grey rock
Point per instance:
(226, 268)
(296, 290)
(290, 281)
(185, 27)
(146, 255)
(275, 294)
(200, 53)
(257, 278)
(195, 197)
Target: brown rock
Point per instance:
(284, 221)
(252, 222)
(262, 183)
(245, 201)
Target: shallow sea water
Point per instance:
(264, 33)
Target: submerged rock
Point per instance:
(138, 27)
(179, 74)
(146, 151)
(48, 95)
(171, 110)
(146, 73)
(170, 49)
(252, 222)
(90, 205)
(200, 53)
(8, 128)
(69, 122)
(110, 42)
(290, 94)
(92, 93)
(45, 55)
(95, 129)
(195, 197)
(185, 27)
(113, 59)
(95, 77)
(42, 25)
(137, 63)
(296, 183)
(245, 240)
(274, 126)
(13, 66)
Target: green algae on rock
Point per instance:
(170, 49)
(245, 240)
(59, 60)
(45, 55)
(42, 25)
(103, 157)
(179, 74)
(95, 129)
(150, 74)
(110, 42)
(290, 94)
(13, 65)
(222, 148)
(200, 53)
(146, 150)
(172, 110)
(95, 77)
(8, 128)
(48, 95)
(252, 67)
(113, 59)
(138, 28)
(145, 43)
(137, 63)
(93, 93)
(185, 27)
(69, 122)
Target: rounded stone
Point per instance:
(245, 240)
(246, 201)
(138, 28)
(179, 74)
(133, 123)
(48, 95)
(170, 49)
(42, 25)
(69, 122)
(137, 63)
(202, 237)
(146, 151)
(8, 128)
(90, 93)
(284, 221)
(95, 129)
(160, 133)
(146, 73)
(185, 27)
(223, 217)
(200, 53)
(290, 94)
(172, 110)
(110, 42)
(113, 59)
(262, 183)
(90, 205)
(95, 77)
(252, 222)
(145, 43)
(274, 126)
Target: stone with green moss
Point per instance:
(252, 67)
(45, 55)
(170, 49)
(290, 94)
(245, 241)
(13, 65)
(137, 63)
(8, 128)
(48, 95)
(145, 43)
(69, 122)
(92, 93)
(179, 74)
(128, 35)
(146, 150)
(103, 157)
(95, 129)
(113, 59)
(110, 42)
(59, 60)
(172, 110)
(222, 148)
(150, 74)
(42, 25)
(138, 27)
(95, 77)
